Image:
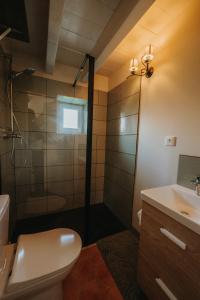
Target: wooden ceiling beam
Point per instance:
(56, 11)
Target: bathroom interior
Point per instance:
(99, 150)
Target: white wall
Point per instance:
(170, 104)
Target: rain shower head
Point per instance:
(28, 71)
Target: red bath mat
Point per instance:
(90, 278)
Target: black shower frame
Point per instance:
(91, 63)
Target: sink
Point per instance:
(180, 203)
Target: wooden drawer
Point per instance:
(147, 280)
(178, 268)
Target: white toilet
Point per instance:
(34, 267)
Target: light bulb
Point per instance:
(133, 65)
(148, 56)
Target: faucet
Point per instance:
(196, 182)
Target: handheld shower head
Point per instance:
(28, 71)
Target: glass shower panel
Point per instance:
(66, 155)
(30, 152)
(50, 160)
(7, 176)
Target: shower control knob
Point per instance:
(12, 135)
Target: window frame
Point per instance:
(68, 106)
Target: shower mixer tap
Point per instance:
(12, 135)
(196, 182)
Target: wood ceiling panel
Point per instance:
(83, 23)
(92, 10)
(111, 3)
(69, 57)
(74, 41)
(80, 26)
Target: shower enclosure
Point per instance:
(50, 161)
(49, 172)
(58, 164)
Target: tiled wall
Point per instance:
(50, 166)
(122, 124)
(7, 179)
(188, 170)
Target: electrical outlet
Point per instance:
(170, 141)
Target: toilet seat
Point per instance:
(43, 255)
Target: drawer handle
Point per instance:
(173, 238)
(165, 289)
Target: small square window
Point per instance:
(70, 118)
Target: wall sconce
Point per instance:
(146, 69)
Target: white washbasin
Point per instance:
(180, 203)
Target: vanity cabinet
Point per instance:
(169, 258)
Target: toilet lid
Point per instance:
(43, 253)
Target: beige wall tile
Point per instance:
(93, 184)
(24, 102)
(22, 176)
(100, 113)
(60, 141)
(79, 186)
(60, 173)
(62, 188)
(99, 127)
(96, 97)
(101, 142)
(103, 98)
(79, 156)
(122, 143)
(93, 170)
(79, 172)
(126, 125)
(55, 88)
(26, 192)
(99, 197)
(94, 141)
(99, 170)
(100, 156)
(81, 92)
(30, 121)
(59, 157)
(99, 183)
(94, 156)
(52, 106)
(126, 107)
(131, 86)
(30, 84)
(80, 141)
(114, 95)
